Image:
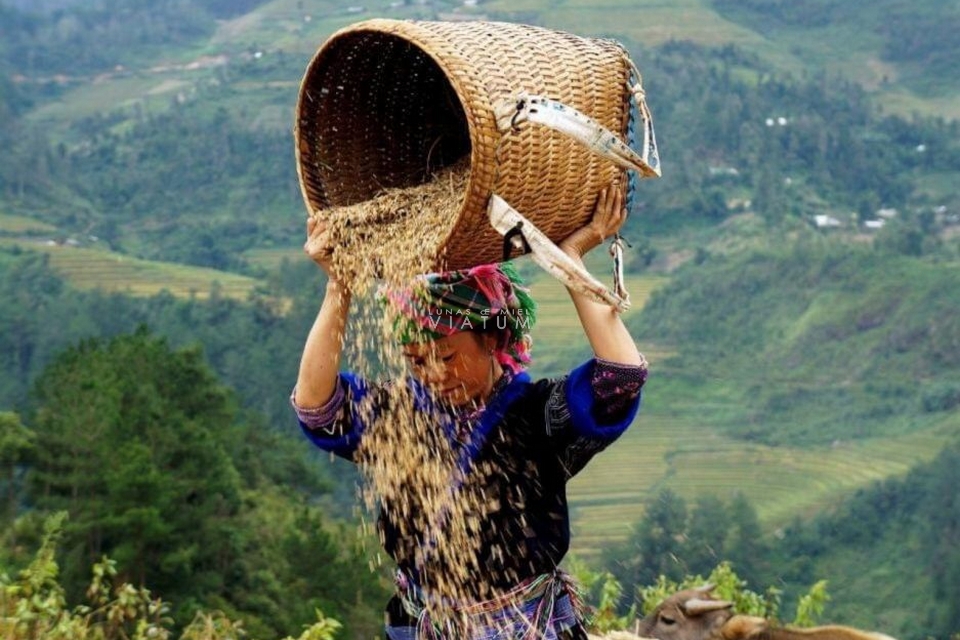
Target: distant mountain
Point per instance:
(913, 45)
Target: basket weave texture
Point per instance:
(386, 103)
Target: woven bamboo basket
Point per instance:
(386, 103)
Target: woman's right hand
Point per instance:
(609, 214)
(318, 245)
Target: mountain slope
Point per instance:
(815, 342)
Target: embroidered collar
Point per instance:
(469, 414)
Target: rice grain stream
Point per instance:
(408, 462)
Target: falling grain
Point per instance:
(408, 463)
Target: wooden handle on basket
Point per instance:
(584, 130)
(509, 223)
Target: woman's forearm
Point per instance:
(604, 328)
(320, 362)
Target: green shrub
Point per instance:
(34, 606)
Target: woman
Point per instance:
(484, 563)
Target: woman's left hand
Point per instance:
(609, 214)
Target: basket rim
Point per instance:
(413, 33)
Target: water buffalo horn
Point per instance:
(697, 606)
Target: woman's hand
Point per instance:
(318, 245)
(609, 214)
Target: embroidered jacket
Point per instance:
(523, 447)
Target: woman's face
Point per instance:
(459, 368)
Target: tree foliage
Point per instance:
(249, 345)
(670, 542)
(142, 446)
(34, 605)
(727, 585)
(792, 147)
(903, 527)
(17, 446)
(134, 449)
(912, 522)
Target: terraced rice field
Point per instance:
(644, 22)
(88, 268)
(689, 455)
(270, 259)
(558, 330)
(659, 451)
(13, 224)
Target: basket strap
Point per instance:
(509, 223)
(649, 151)
(584, 129)
(616, 252)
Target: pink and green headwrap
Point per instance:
(488, 297)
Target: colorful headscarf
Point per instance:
(487, 297)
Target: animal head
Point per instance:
(691, 614)
(694, 614)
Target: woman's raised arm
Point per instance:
(603, 326)
(320, 361)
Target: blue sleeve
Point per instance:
(581, 402)
(344, 436)
(576, 431)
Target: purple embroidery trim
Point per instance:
(322, 417)
(615, 386)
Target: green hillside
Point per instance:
(181, 150)
(22, 225)
(896, 540)
(907, 68)
(903, 52)
(692, 457)
(818, 341)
